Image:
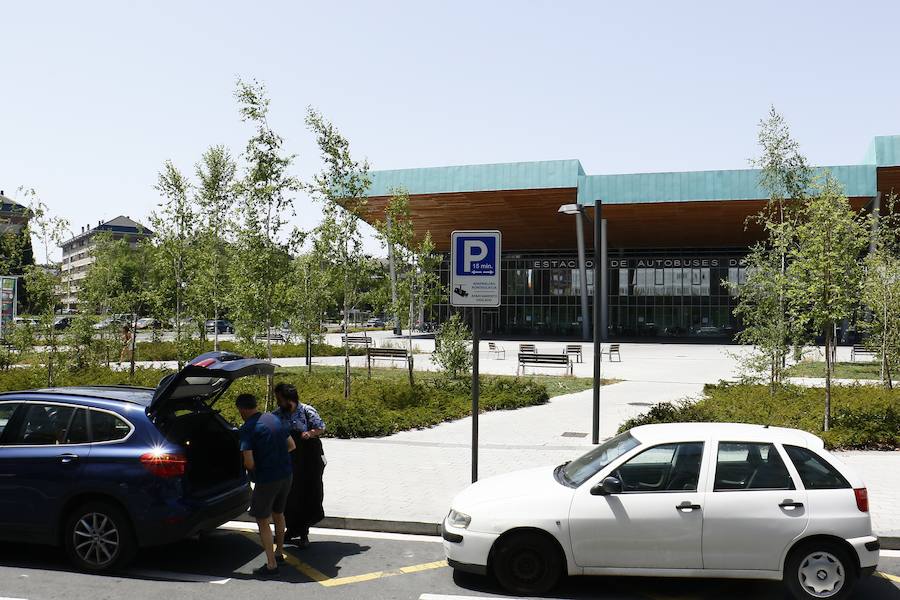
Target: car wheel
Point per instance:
(527, 564)
(820, 570)
(98, 537)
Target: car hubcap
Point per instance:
(526, 566)
(821, 574)
(96, 539)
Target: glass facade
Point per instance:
(652, 294)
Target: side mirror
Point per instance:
(609, 485)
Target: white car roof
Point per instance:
(734, 432)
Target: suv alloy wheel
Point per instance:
(98, 537)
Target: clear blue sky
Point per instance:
(96, 95)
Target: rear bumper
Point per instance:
(187, 518)
(867, 550)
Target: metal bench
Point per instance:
(574, 350)
(387, 354)
(859, 349)
(274, 336)
(527, 359)
(527, 348)
(613, 349)
(362, 340)
(496, 350)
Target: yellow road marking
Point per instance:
(888, 576)
(326, 581)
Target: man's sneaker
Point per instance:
(265, 571)
(304, 541)
(280, 559)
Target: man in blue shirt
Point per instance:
(266, 446)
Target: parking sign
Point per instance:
(475, 268)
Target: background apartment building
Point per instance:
(77, 257)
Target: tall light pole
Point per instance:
(598, 320)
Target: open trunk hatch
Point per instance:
(204, 380)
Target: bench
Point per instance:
(496, 350)
(859, 349)
(528, 359)
(273, 336)
(574, 350)
(387, 354)
(613, 349)
(362, 340)
(527, 348)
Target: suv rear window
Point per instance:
(106, 427)
(815, 472)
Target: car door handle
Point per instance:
(68, 458)
(687, 506)
(791, 505)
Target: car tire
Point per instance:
(527, 563)
(820, 569)
(98, 537)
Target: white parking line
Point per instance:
(172, 576)
(372, 535)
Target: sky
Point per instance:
(96, 96)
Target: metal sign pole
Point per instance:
(476, 323)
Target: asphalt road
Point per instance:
(340, 567)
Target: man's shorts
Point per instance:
(270, 497)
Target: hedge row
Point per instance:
(381, 406)
(168, 350)
(862, 417)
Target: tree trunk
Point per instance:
(50, 355)
(134, 318)
(828, 367)
(346, 347)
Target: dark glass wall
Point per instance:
(652, 294)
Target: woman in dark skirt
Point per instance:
(304, 507)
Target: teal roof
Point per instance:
(635, 188)
(696, 186)
(884, 151)
(479, 178)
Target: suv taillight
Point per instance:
(862, 499)
(164, 465)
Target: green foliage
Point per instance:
(377, 407)
(452, 348)
(864, 417)
(167, 350)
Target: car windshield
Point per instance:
(587, 465)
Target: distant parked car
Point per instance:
(222, 325)
(149, 323)
(104, 470)
(106, 323)
(27, 321)
(374, 322)
(674, 500)
(63, 322)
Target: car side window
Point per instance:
(78, 430)
(750, 466)
(42, 425)
(7, 410)
(816, 473)
(107, 427)
(663, 468)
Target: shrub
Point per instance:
(863, 417)
(451, 350)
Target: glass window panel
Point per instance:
(623, 282)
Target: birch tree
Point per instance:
(824, 267)
(341, 187)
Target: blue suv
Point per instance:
(104, 470)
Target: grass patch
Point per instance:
(379, 406)
(862, 416)
(842, 370)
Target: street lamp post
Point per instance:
(599, 319)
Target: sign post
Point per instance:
(474, 283)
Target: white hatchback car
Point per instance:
(673, 500)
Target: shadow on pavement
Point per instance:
(647, 588)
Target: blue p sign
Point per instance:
(476, 255)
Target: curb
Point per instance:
(376, 525)
(889, 542)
